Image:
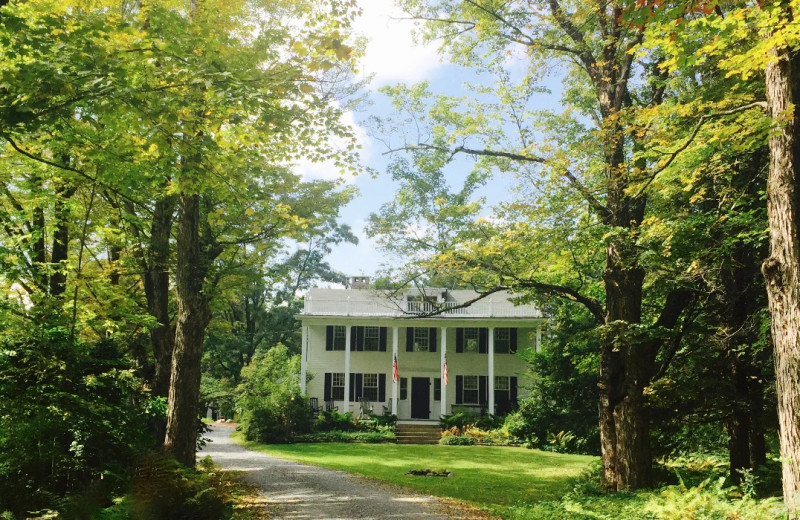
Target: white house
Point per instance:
(459, 356)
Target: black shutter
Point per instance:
(513, 387)
(483, 391)
(483, 340)
(459, 341)
(359, 386)
(360, 338)
(353, 338)
(409, 339)
(432, 335)
(382, 388)
(352, 396)
(512, 349)
(459, 389)
(329, 338)
(383, 341)
(328, 382)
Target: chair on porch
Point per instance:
(365, 409)
(331, 406)
(313, 402)
(387, 408)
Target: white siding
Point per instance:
(411, 364)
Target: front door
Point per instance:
(420, 398)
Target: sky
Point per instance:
(391, 57)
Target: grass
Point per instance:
(486, 476)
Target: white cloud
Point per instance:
(391, 53)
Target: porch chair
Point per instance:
(313, 402)
(365, 409)
(331, 406)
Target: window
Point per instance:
(471, 340)
(501, 384)
(372, 339)
(337, 386)
(403, 388)
(421, 339)
(339, 339)
(437, 389)
(369, 391)
(471, 389)
(502, 341)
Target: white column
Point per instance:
(346, 405)
(441, 369)
(394, 383)
(491, 370)
(303, 359)
(538, 338)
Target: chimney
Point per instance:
(359, 282)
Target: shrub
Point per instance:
(466, 417)
(272, 408)
(70, 421)
(457, 440)
(349, 436)
(334, 420)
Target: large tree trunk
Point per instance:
(157, 291)
(624, 373)
(194, 314)
(782, 268)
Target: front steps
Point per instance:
(417, 433)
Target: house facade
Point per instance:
(445, 355)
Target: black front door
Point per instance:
(420, 398)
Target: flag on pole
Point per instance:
(444, 371)
(395, 373)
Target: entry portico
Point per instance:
(447, 355)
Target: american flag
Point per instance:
(395, 373)
(444, 371)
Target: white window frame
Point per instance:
(422, 342)
(337, 383)
(472, 340)
(502, 340)
(339, 337)
(369, 382)
(372, 339)
(470, 388)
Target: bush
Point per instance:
(272, 408)
(467, 417)
(457, 440)
(71, 416)
(334, 420)
(348, 436)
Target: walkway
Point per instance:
(294, 490)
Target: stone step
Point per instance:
(418, 433)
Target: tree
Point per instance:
(191, 117)
(595, 155)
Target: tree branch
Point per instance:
(702, 121)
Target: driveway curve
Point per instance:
(293, 490)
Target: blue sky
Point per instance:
(391, 57)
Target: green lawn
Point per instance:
(493, 477)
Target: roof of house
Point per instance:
(427, 302)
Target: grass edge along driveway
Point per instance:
(492, 477)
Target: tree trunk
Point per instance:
(624, 374)
(60, 248)
(194, 314)
(157, 291)
(782, 268)
(738, 422)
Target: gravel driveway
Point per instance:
(294, 490)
